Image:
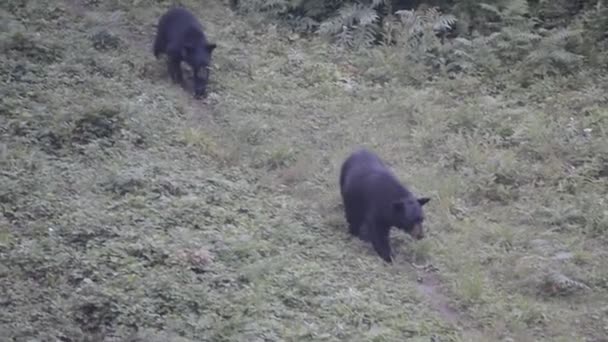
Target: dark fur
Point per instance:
(180, 36)
(375, 200)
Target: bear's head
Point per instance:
(197, 53)
(408, 215)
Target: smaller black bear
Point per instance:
(375, 200)
(180, 36)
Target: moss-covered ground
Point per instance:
(133, 212)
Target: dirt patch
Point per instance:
(76, 7)
(429, 286)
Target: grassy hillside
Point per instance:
(133, 212)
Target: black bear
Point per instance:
(375, 200)
(180, 36)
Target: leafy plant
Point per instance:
(552, 56)
(355, 25)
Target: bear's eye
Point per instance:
(189, 50)
(399, 207)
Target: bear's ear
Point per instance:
(211, 47)
(398, 206)
(423, 200)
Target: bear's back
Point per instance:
(178, 21)
(364, 174)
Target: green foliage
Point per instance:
(268, 7)
(551, 55)
(416, 29)
(489, 16)
(355, 25)
(557, 13)
(594, 24)
(533, 54)
(546, 37)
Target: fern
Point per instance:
(494, 34)
(597, 23)
(556, 13)
(301, 23)
(367, 16)
(365, 35)
(417, 30)
(517, 8)
(344, 38)
(355, 25)
(551, 55)
(271, 8)
(595, 37)
(490, 15)
(490, 8)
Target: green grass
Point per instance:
(132, 212)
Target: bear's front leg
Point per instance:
(379, 237)
(173, 64)
(175, 71)
(365, 232)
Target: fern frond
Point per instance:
(364, 36)
(490, 8)
(302, 24)
(405, 15)
(517, 7)
(525, 37)
(366, 16)
(344, 38)
(444, 22)
(376, 3)
(561, 36)
(429, 14)
(461, 54)
(277, 5)
(536, 56)
(463, 42)
(564, 57)
(331, 26)
(489, 39)
(313, 8)
(348, 13)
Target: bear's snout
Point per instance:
(418, 232)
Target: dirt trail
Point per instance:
(429, 286)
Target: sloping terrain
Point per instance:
(133, 212)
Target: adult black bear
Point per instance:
(180, 36)
(374, 199)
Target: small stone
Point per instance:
(563, 256)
